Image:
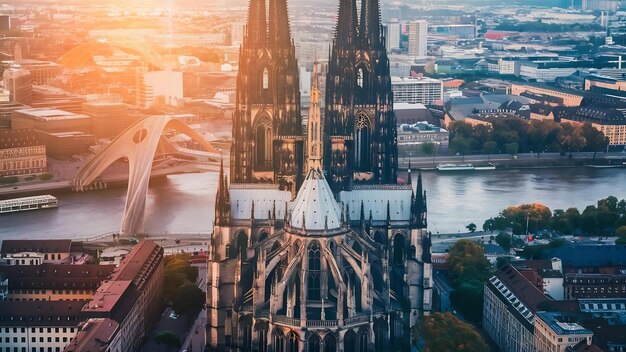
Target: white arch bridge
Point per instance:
(139, 144)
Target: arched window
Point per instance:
(314, 344)
(363, 135)
(349, 341)
(266, 79)
(359, 77)
(398, 249)
(263, 142)
(240, 246)
(330, 343)
(246, 334)
(363, 341)
(262, 337)
(313, 287)
(292, 340)
(279, 340)
(314, 256)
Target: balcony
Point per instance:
(321, 324)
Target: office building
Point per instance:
(392, 35)
(417, 90)
(418, 38)
(19, 83)
(108, 120)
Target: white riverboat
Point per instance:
(28, 203)
(455, 167)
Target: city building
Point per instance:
(165, 85)
(594, 285)
(96, 335)
(19, 83)
(460, 31)
(39, 326)
(544, 93)
(21, 153)
(54, 282)
(392, 35)
(53, 98)
(412, 137)
(418, 38)
(35, 252)
(423, 90)
(108, 120)
(554, 332)
(6, 110)
(297, 262)
(510, 304)
(50, 120)
(64, 133)
(132, 297)
(42, 72)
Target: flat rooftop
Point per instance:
(44, 114)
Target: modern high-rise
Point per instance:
(295, 264)
(418, 38)
(392, 35)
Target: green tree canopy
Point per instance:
(446, 333)
(189, 299)
(504, 240)
(167, 338)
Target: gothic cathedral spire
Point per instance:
(359, 121)
(267, 133)
(314, 125)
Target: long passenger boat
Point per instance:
(28, 203)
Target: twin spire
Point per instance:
(367, 31)
(270, 30)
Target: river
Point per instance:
(184, 203)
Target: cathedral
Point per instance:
(316, 246)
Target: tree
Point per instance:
(501, 262)
(537, 215)
(621, 231)
(596, 141)
(490, 147)
(443, 332)
(467, 261)
(189, 300)
(167, 338)
(511, 148)
(504, 240)
(428, 148)
(572, 138)
(178, 271)
(471, 227)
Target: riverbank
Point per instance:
(519, 161)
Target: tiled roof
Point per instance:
(41, 313)
(18, 138)
(56, 276)
(40, 246)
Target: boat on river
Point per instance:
(28, 203)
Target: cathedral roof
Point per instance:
(315, 205)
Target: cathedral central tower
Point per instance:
(360, 125)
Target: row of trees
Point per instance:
(468, 271)
(515, 135)
(180, 288)
(603, 218)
